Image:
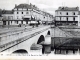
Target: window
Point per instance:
(73, 13)
(73, 18)
(17, 12)
(67, 13)
(60, 18)
(67, 18)
(22, 12)
(60, 13)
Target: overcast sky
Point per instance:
(46, 5)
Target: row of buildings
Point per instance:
(67, 16)
(24, 14)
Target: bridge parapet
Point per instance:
(9, 40)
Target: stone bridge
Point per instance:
(25, 40)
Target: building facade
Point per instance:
(66, 16)
(24, 14)
(79, 18)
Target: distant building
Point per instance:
(24, 14)
(79, 18)
(66, 16)
(7, 17)
(1, 22)
(1, 17)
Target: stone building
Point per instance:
(66, 16)
(24, 14)
(79, 18)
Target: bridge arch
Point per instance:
(41, 39)
(48, 33)
(20, 51)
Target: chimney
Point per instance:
(59, 8)
(30, 4)
(15, 5)
(77, 7)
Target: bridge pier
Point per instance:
(46, 45)
(36, 49)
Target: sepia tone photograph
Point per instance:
(40, 28)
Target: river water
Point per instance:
(62, 45)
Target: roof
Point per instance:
(68, 9)
(7, 12)
(23, 6)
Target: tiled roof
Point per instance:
(7, 12)
(23, 6)
(68, 9)
(30, 6)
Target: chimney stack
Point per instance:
(15, 5)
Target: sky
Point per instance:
(46, 5)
